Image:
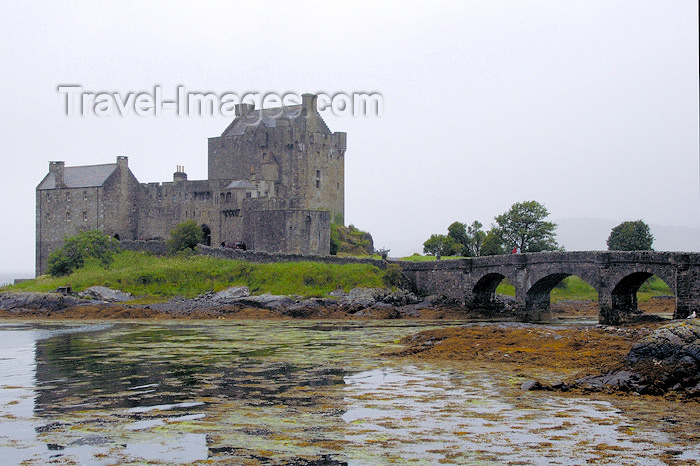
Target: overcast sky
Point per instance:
(590, 107)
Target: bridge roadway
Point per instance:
(616, 276)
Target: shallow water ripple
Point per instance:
(277, 392)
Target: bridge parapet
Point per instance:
(616, 276)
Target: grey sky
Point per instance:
(590, 107)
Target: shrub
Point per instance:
(186, 235)
(86, 246)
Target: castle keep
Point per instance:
(275, 182)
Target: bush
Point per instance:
(186, 235)
(77, 250)
(631, 236)
(393, 276)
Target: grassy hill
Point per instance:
(191, 275)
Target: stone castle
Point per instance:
(275, 182)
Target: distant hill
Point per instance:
(590, 234)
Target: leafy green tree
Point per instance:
(631, 236)
(86, 246)
(458, 232)
(491, 245)
(524, 226)
(475, 238)
(441, 244)
(185, 235)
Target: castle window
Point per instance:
(318, 178)
(228, 197)
(48, 197)
(67, 216)
(84, 216)
(48, 216)
(84, 195)
(67, 196)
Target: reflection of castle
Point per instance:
(276, 179)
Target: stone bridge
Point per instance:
(616, 276)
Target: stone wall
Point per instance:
(269, 258)
(159, 248)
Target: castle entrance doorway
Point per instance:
(206, 235)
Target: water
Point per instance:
(279, 392)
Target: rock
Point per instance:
(267, 301)
(45, 301)
(531, 385)
(667, 359)
(360, 298)
(401, 298)
(623, 380)
(669, 343)
(103, 293)
(230, 294)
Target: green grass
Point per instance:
(575, 289)
(190, 275)
(419, 258)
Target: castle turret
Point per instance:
(308, 103)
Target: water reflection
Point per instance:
(279, 392)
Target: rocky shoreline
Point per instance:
(236, 301)
(651, 359)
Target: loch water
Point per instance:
(286, 392)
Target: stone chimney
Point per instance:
(244, 109)
(180, 174)
(308, 103)
(57, 169)
(123, 161)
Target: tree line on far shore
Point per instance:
(524, 228)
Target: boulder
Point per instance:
(103, 293)
(266, 301)
(401, 298)
(45, 301)
(230, 294)
(361, 298)
(667, 359)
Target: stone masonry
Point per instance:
(616, 276)
(276, 181)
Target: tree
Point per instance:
(86, 246)
(458, 232)
(631, 236)
(524, 226)
(475, 238)
(185, 235)
(441, 244)
(491, 245)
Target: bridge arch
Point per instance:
(538, 297)
(484, 290)
(623, 295)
